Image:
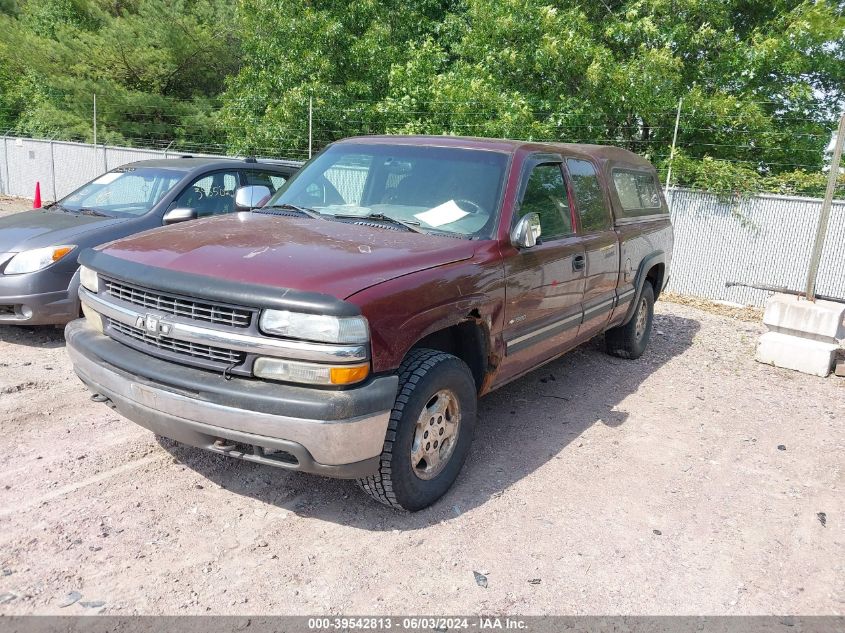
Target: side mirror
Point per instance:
(180, 214)
(527, 231)
(251, 197)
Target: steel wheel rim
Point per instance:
(435, 434)
(642, 319)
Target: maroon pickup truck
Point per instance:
(348, 326)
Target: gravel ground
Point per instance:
(13, 205)
(691, 481)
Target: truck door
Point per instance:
(544, 283)
(600, 242)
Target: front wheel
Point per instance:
(429, 433)
(630, 340)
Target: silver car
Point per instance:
(39, 276)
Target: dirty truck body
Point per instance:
(348, 327)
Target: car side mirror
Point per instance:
(251, 197)
(527, 231)
(179, 214)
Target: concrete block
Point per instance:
(840, 368)
(793, 352)
(818, 320)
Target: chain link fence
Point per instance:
(62, 166)
(762, 239)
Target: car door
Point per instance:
(600, 242)
(212, 193)
(544, 283)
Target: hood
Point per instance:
(323, 256)
(42, 227)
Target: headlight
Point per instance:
(88, 279)
(36, 259)
(308, 373)
(314, 327)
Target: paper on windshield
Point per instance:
(107, 178)
(442, 214)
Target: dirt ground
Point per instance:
(691, 481)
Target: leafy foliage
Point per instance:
(156, 66)
(762, 81)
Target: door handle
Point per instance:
(578, 262)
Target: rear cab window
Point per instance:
(638, 193)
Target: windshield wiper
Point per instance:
(408, 224)
(311, 213)
(90, 211)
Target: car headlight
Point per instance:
(314, 327)
(36, 259)
(89, 279)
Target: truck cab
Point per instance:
(348, 327)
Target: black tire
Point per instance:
(423, 375)
(630, 339)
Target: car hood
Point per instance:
(314, 255)
(42, 227)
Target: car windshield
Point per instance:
(432, 189)
(123, 192)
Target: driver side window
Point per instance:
(545, 194)
(212, 194)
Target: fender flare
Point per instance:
(465, 306)
(646, 264)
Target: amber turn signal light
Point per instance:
(60, 252)
(349, 375)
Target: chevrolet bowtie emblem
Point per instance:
(152, 324)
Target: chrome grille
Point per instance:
(177, 306)
(184, 348)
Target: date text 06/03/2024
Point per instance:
(417, 623)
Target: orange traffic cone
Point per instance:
(36, 203)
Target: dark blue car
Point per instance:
(39, 275)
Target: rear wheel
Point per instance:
(630, 340)
(429, 433)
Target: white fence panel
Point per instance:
(75, 165)
(117, 156)
(62, 166)
(761, 240)
(28, 162)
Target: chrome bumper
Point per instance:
(321, 446)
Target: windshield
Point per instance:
(123, 192)
(438, 189)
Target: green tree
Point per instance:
(156, 67)
(338, 53)
(762, 80)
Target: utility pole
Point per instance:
(824, 215)
(53, 168)
(95, 120)
(310, 122)
(8, 186)
(674, 141)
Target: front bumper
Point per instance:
(333, 433)
(31, 299)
